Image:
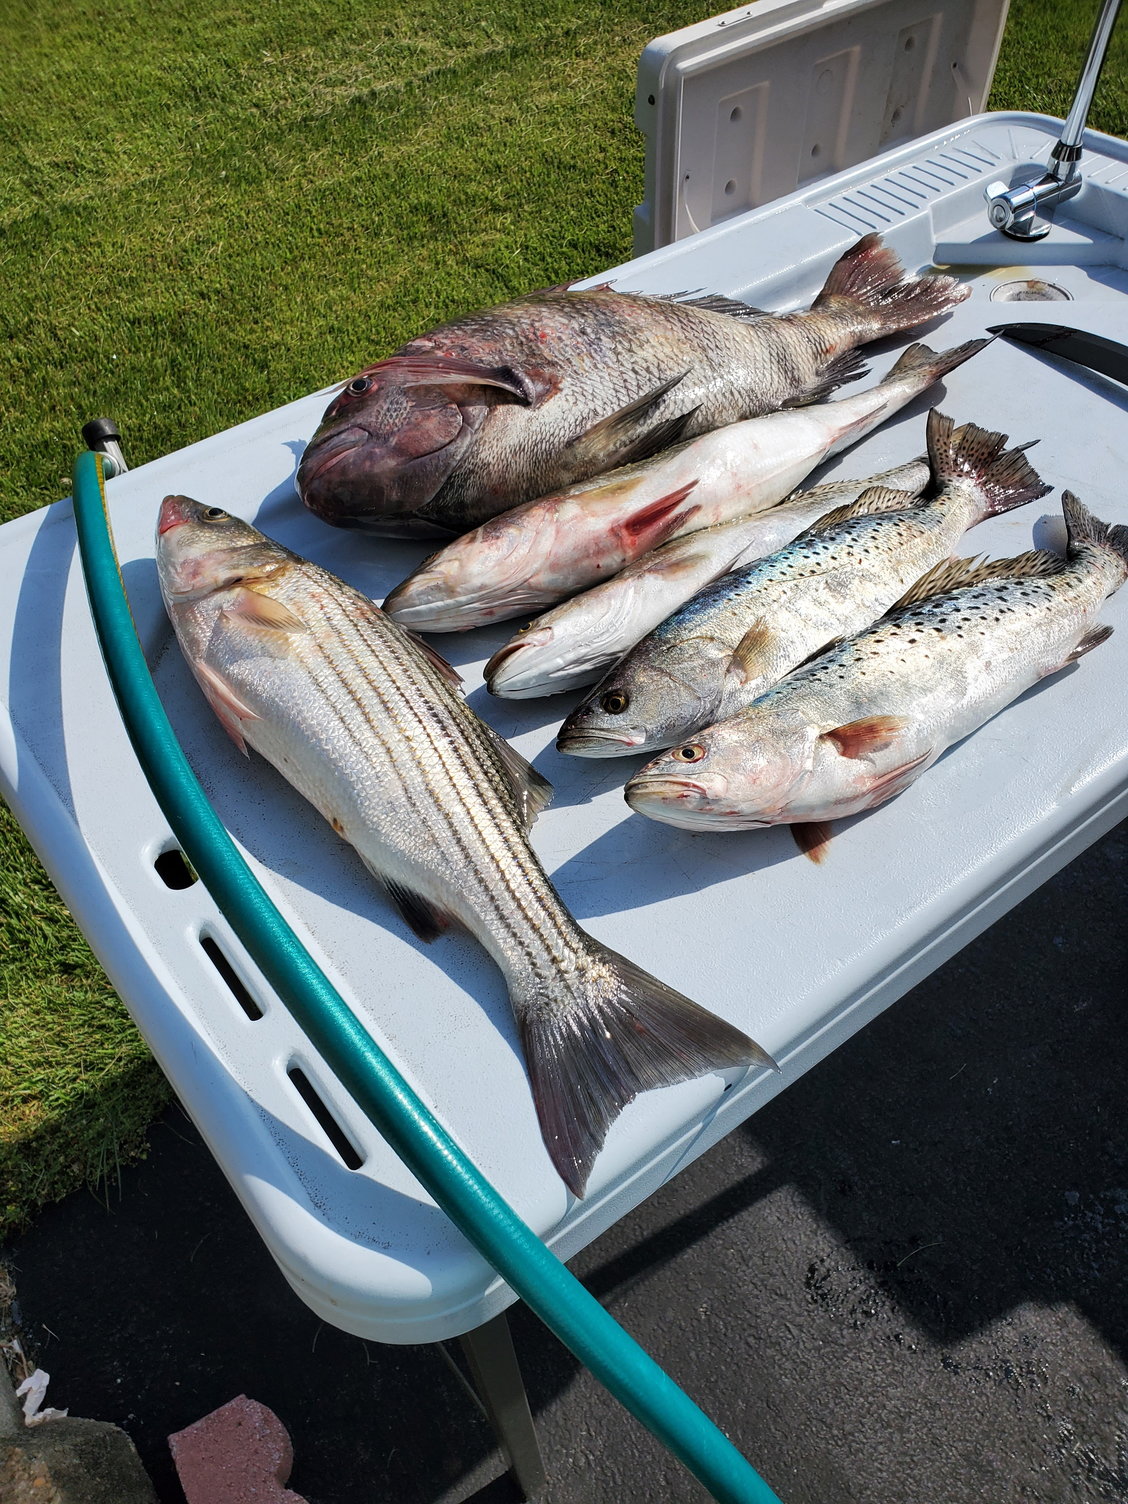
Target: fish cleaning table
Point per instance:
(798, 955)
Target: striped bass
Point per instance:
(497, 407)
(861, 723)
(741, 634)
(546, 550)
(576, 642)
(368, 725)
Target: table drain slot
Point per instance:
(325, 1119)
(174, 869)
(234, 981)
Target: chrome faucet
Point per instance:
(1015, 209)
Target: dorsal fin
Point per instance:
(956, 574)
(869, 503)
(712, 302)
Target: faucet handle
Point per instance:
(1012, 209)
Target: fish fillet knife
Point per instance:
(1108, 357)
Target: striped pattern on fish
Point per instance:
(367, 724)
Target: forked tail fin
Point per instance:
(870, 281)
(1083, 527)
(621, 1033)
(1003, 478)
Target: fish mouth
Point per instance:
(664, 789)
(174, 513)
(598, 744)
(322, 454)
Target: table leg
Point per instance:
(497, 1378)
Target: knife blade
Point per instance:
(1105, 356)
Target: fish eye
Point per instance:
(528, 627)
(359, 385)
(615, 702)
(214, 514)
(694, 752)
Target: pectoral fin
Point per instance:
(753, 657)
(253, 609)
(655, 522)
(865, 737)
(423, 368)
(623, 438)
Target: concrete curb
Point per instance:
(66, 1461)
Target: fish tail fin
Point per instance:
(1003, 478)
(1083, 527)
(869, 281)
(624, 1032)
(921, 366)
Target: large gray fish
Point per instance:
(576, 642)
(545, 550)
(740, 635)
(367, 724)
(499, 407)
(862, 722)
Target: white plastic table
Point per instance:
(798, 955)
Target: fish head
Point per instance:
(394, 434)
(523, 665)
(202, 550)
(736, 775)
(487, 574)
(568, 647)
(652, 698)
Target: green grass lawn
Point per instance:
(208, 211)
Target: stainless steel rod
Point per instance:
(1087, 83)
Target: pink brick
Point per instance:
(239, 1454)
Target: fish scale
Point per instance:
(366, 723)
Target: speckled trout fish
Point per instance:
(546, 550)
(369, 726)
(498, 407)
(741, 634)
(861, 723)
(576, 642)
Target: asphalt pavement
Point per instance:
(904, 1281)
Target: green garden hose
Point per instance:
(487, 1221)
